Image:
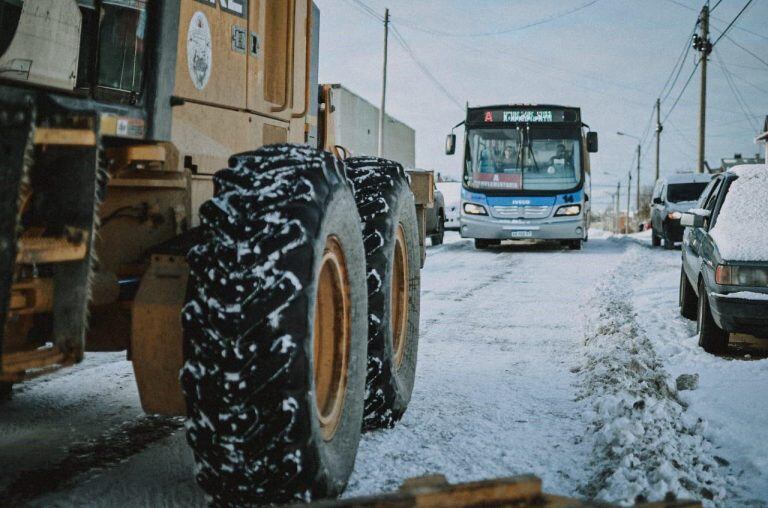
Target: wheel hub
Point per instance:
(332, 330)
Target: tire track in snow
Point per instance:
(110, 448)
(645, 444)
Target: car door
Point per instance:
(694, 237)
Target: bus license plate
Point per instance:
(520, 234)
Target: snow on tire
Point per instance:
(275, 328)
(390, 235)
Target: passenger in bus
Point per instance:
(508, 158)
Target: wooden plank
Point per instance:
(36, 359)
(38, 250)
(165, 183)
(66, 137)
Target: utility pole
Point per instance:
(618, 207)
(629, 198)
(702, 44)
(659, 128)
(382, 111)
(638, 180)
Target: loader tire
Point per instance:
(392, 253)
(275, 330)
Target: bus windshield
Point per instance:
(518, 159)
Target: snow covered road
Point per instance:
(511, 379)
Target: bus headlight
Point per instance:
(568, 210)
(473, 209)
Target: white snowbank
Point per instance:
(646, 443)
(741, 231)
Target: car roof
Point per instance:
(688, 178)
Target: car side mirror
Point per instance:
(658, 201)
(592, 142)
(450, 144)
(696, 218)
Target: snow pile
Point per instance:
(646, 445)
(741, 231)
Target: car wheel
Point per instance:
(655, 239)
(438, 237)
(574, 244)
(687, 298)
(483, 243)
(712, 338)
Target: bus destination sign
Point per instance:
(523, 116)
(528, 116)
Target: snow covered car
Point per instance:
(724, 276)
(672, 196)
(452, 195)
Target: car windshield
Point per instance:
(680, 192)
(509, 159)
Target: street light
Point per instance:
(638, 168)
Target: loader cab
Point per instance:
(95, 48)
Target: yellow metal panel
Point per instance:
(208, 68)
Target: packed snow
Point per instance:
(741, 230)
(571, 365)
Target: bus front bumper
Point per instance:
(488, 228)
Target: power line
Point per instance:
(496, 32)
(685, 86)
(680, 63)
(746, 50)
(679, 4)
(425, 69)
(367, 10)
(732, 85)
(732, 22)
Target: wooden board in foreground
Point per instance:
(517, 491)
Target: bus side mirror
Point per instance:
(592, 142)
(450, 144)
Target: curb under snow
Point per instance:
(646, 445)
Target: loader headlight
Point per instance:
(568, 210)
(674, 215)
(752, 276)
(473, 209)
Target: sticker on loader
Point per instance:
(199, 50)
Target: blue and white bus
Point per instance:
(526, 174)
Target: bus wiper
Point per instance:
(529, 146)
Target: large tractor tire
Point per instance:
(275, 330)
(391, 237)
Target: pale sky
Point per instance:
(609, 57)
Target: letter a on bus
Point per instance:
(489, 116)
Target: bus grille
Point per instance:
(522, 212)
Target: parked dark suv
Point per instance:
(724, 277)
(672, 196)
